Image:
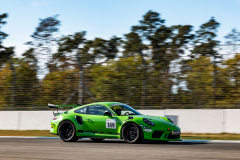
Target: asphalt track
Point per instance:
(27, 148)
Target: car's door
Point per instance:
(80, 115)
(99, 123)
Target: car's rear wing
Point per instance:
(53, 106)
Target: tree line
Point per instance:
(152, 65)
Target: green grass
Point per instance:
(36, 133)
(197, 136)
(210, 136)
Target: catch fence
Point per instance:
(184, 83)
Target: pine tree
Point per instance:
(134, 47)
(6, 54)
(44, 38)
(205, 45)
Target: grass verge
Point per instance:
(35, 133)
(197, 136)
(210, 136)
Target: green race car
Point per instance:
(98, 121)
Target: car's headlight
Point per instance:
(148, 122)
(170, 120)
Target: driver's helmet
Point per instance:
(118, 112)
(117, 109)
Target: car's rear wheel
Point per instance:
(97, 139)
(67, 131)
(131, 133)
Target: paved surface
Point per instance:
(19, 148)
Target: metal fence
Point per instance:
(182, 84)
(44, 108)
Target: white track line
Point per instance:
(224, 141)
(17, 137)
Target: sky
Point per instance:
(105, 18)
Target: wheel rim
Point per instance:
(131, 133)
(66, 131)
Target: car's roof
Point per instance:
(102, 103)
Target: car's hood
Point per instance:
(157, 120)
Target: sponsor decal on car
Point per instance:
(175, 132)
(116, 107)
(148, 130)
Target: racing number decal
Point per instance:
(111, 123)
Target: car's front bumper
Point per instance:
(161, 135)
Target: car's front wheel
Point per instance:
(131, 133)
(67, 131)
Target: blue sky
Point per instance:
(105, 18)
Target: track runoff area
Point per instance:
(54, 148)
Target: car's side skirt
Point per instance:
(102, 135)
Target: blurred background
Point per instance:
(158, 55)
(178, 59)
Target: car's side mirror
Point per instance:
(107, 114)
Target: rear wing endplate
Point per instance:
(53, 106)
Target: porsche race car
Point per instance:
(101, 120)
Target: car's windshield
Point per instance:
(123, 109)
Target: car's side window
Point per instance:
(98, 110)
(83, 110)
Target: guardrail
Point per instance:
(189, 120)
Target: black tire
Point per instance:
(131, 133)
(97, 139)
(67, 131)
